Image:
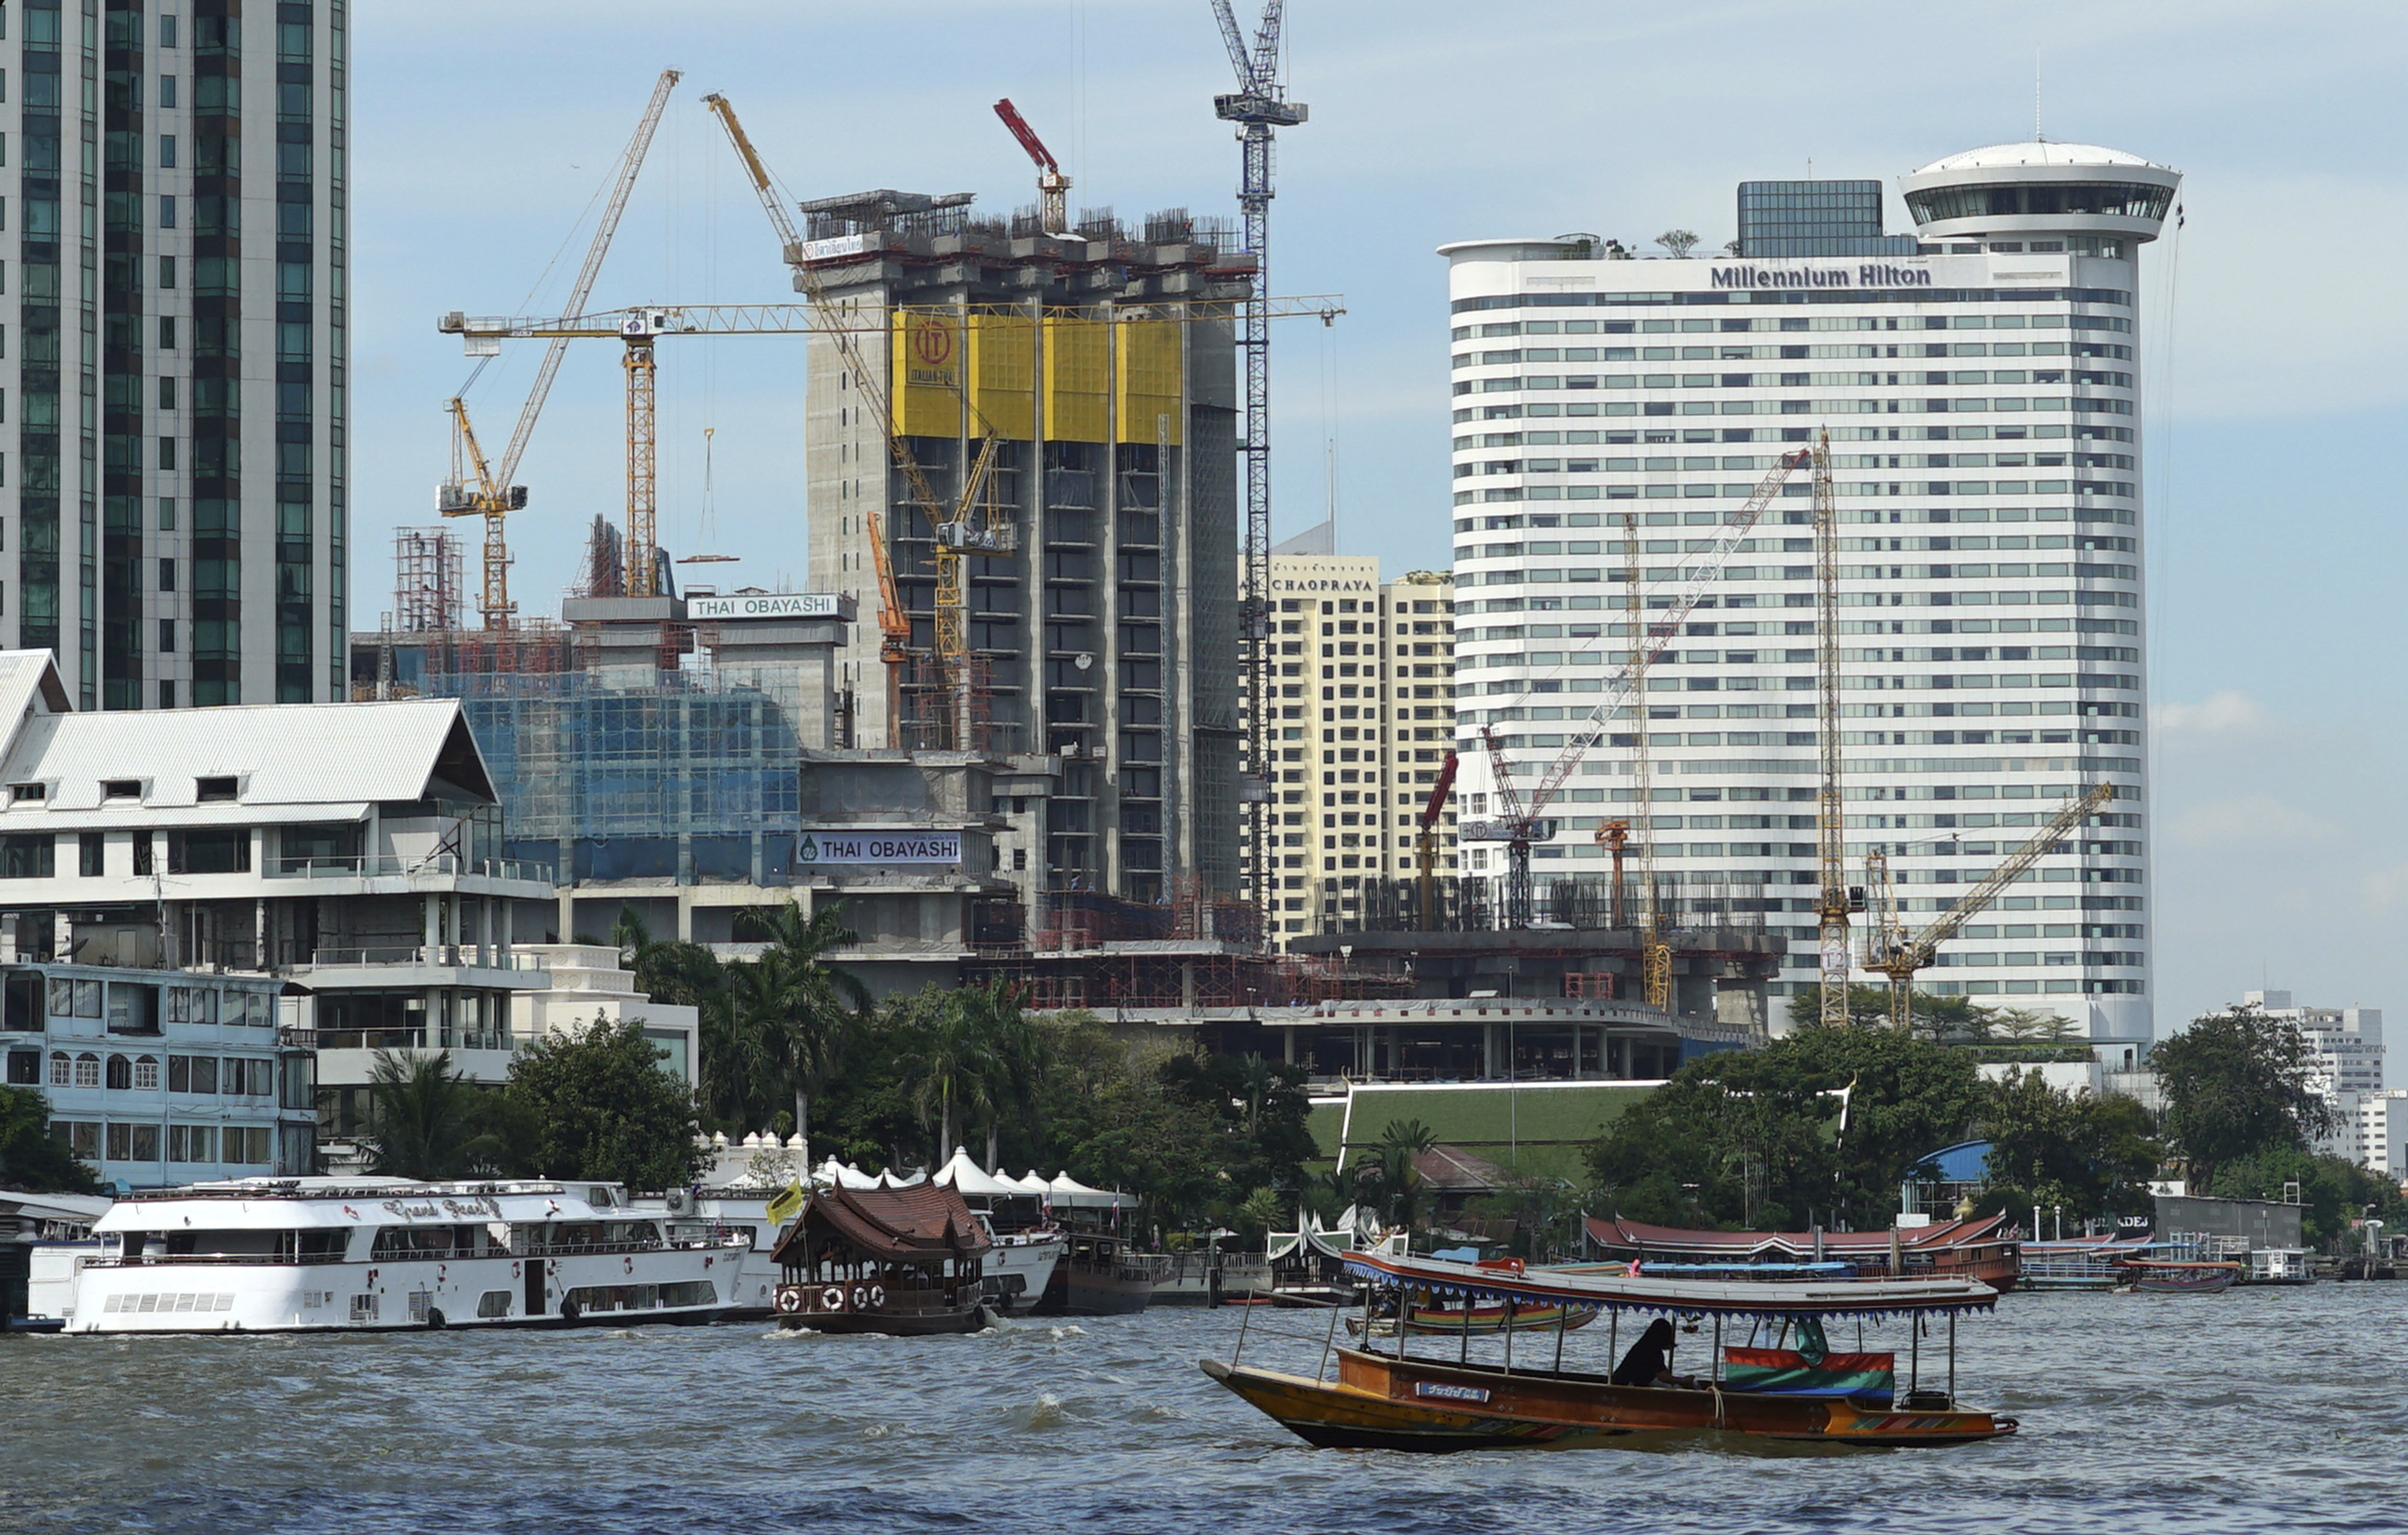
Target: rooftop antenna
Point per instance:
(2038, 137)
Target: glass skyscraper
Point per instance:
(180, 495)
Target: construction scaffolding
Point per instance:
(427, 595)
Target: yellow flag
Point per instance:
(787, 1205)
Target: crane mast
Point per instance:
(1654, 955)
(1834, 904)
(495, 497)
(1520, 824)
(1258, 107)
(1888, 950)
(1427, 842)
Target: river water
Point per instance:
(2260, 1409)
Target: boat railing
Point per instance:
(257, 1260)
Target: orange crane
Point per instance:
(491, 495)
(952, 535)
(1888, 948)
(1426, 841)
(1053, 187)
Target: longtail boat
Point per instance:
(1982, 1248)
(1801, 1396)
(2168, 1276)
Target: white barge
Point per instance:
(286, 1255)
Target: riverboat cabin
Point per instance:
(906, 1261)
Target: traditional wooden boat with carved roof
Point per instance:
(1796, 1395)
(907, 1261)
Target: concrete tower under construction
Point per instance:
(1093, 372)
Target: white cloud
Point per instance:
(2226, 712)
(2246, 820)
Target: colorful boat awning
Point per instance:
(1676, 1297)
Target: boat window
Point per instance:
(493, 1303)
(418, 1241)
(205, 1243)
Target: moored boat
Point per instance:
(1101, 1275)
(1788, 1396)
(286, 1255)
(905, 1261)
(2170, 1276)
(1980, 1248)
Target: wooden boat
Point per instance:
(1767, 1398)
(1100, 1275)
(2167, 1276)
(1979, 1248)
(903, 1261)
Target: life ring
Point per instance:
(877, 1296)
(790, 1298)
(861, 1298)
(832, 1298)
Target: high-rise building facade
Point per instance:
(2347, 1046)
(1364, 694)
(1100, 584)
(179, 371)
(1980, 400)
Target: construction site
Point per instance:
(1037, 462)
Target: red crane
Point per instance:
(1427, 841)
(1053, 187)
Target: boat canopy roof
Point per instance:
(1594, 1291)
(918, 1223)
(1624, 1238)
(289, 1204)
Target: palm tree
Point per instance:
(666, 969)
(958, 1040)
(1402, 1145)
(430, 1122)
(1258, 1077)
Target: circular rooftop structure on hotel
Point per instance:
(2040, 188)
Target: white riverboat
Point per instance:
(284, 1254)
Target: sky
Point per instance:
(484, 136)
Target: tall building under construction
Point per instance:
(1081, 386)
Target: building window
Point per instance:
(91, 852)
(28, 793)
(62, 1071)
(87, 1070)
(24, 1068)
(121, 788)
(211, 790)
(121, 1074)
(146, 1073)
(27, 856)
(216, 851)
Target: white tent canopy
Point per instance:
(1068, 1193)
(831, 1175)
(1035, 1185)
(970, 1183)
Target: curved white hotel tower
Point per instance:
(1977, 380)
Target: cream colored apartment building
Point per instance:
(1366, 699)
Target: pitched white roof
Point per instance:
(2038, 152)
(295, 758)
(968, 1180)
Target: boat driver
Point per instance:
(1650, 1360)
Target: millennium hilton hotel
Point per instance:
(1977, 382)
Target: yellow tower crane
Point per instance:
(491, 495)
(1836, 901)
(1890, 950)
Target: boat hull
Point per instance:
(898, 1325)
(2185, 1278)
(1382, 1403)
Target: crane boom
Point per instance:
(1891, 952)
(1832, 906)
(1053, 187)
(1517, 827)
(805, 320)
(1426, 840)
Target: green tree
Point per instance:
(30, 1159)
(2087, 1155)
(1954, 1020)
(2333, 1191)
(596, 1104)
(1822, 1124)
(1257, 1215)
(2238, 1084)
(428, 1121)
(1397, 1174)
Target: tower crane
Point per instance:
(1256, 107)
(1834, 901)
(954, 535)
(491, 495)
(1654, 955)
(1888, 948)
(1520, 823)
(1426, 841)
(1053, 187)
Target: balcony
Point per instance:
(448, 956)
(380, 865)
